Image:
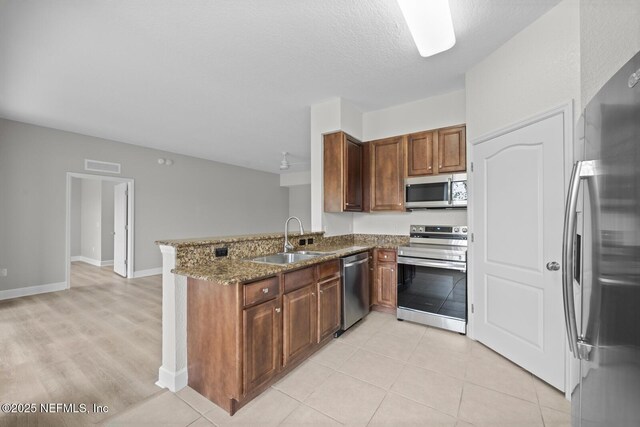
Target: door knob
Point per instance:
(553, 266)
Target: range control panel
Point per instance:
(438, 229)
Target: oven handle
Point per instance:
(448, 265)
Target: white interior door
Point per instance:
(518, 218)
(120, 194)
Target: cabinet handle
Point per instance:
(321, 292)
(265, 290)
(278, 310)
(313, 294)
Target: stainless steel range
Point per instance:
(432, 277)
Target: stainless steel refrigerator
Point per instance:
(601, 268)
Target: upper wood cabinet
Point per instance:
(436, 151)
(419, 153)
(344, 160)
(451, 150)
(387, 172)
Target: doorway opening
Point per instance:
(99, 223)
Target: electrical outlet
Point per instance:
(3, 272)
(221, 252)
(310, 241)
(302, 242)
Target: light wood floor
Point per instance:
(99, 342)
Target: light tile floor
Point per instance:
(381, 373)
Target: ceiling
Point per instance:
(230, 80)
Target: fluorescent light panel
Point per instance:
(430, 24)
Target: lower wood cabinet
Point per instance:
(261, 347)
(385, 282)
(242, 338)
(299, 329)
(329, 303)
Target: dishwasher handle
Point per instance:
(351, 264)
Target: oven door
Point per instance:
(433, 292)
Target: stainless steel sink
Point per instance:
(316, 253)
(284, 258)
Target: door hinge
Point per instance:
(473, 309)
(472, 237)
(126, 193)
(471, 166)
(125, 262)
(126, 227)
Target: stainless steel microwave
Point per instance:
(436, 192)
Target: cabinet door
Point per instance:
(261, 343)
(299, 315)
(329, 299)
(419, 155)
(353, 176)
(452, 150)
(387, 172)
(386, 284)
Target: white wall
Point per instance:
(609, 37)
(106, 221)
(75, 217)
(429, 113)
(91, 220)
(536, 70)
(300, 203)
(194, 197)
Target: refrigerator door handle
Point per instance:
(581, 170)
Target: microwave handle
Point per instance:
(450, 189)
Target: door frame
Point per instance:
(130, 222)
(566, 109)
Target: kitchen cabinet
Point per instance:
(261, 344)
(299, 314)
(344, 167)
(419, 153)
(385, 279)
(243, 337)
(451, 150)
(387, 174)
(329, 298)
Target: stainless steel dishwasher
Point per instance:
(355, 289)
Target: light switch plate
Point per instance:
(3, 272)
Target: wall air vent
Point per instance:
(98, 166)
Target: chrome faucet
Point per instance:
(288, 246)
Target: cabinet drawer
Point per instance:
(328, 269)
(264, 290)
(386, 255)
(298, 279)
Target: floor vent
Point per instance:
(98, 166)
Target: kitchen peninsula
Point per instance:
(232, 326)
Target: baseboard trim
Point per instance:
(91, 261)
(146, 273)
(174, 381)
(32, 290)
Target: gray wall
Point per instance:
(300, 204)
(90, 219)
(75, 218)
(106, 221)
(194, 197)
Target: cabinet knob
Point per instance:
(313, 294)
(321, 292)
(265, 290)
(440, 166)
(385, 256)
(278, 310)
(392, 270)
(430, 167)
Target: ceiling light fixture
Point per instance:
(284, 164)
(430, 24)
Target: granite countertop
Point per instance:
(181, 243)
(232, 271)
